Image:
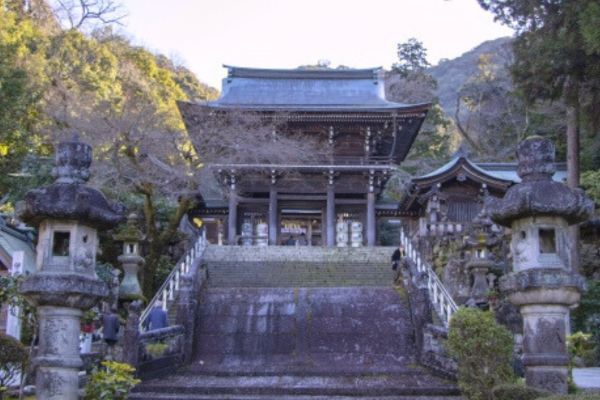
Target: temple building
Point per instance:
(339, 200)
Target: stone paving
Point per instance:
(587, 379)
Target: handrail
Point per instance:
(437, 292)
(167, 291)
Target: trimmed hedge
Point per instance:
(518, 392)
(483, 350)
(578, 396)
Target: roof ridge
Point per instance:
(297, 73)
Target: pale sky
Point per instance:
(205, 34)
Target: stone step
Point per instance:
(162, 396)
(301, 274)
(406, 386)
(282, 253)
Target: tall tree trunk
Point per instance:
(462, 130)
(573, 147)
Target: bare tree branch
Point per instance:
(82, 14)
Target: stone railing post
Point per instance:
(186, 315)
(131, 336)
(420, 304)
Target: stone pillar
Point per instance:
(371, 229)
(542, 284)
(68, 214)
(273, 214)
(232, 231)
(330, 214)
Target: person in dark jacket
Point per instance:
(157, 318)
(398, 255)
(110, 329)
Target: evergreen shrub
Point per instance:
(483, 350)
(112, 382)
(14, 359)
(518, 392)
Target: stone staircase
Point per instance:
(301, 323)
(298, 266)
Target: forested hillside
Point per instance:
(452, 75)
(57, 82)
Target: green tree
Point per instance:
(408, 82)
(556, 58)
(488, 115)
(22, 79)
(412, 58)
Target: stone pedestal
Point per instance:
(479, 268)
(545, 354)
(544, 298)
(58, 360)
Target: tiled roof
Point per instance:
(306, 89)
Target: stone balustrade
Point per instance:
(441, 299)
(167, 292)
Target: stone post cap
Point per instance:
(535, 156)
(72, 162)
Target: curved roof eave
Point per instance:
(387, 108)
(449, 170)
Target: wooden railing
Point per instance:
(166, 293)
(441, 299)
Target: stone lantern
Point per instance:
(539, 211)
(67, 214)
(479, 265)
(130, 236)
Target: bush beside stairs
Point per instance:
(301, 323)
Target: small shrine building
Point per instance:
(338, 202)
(447, 200)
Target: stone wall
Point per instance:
(429, 338)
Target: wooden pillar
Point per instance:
(371, 219)
(273, 224)
(330, 212)
(371, 211)
(232, 211)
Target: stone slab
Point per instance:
(587, 379)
